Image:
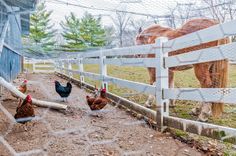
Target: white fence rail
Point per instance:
(40, 66)
(162, 62)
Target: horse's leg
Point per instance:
(151, 98)
(171, 85)
(204, 76)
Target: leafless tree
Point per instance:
(121, 21)
(180, 13)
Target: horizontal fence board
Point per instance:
(90, 54)
(133, 50)
(43, 71)
(226, 95)
(91, 61)
(86, 74)
(40, 61)
(44, 66)
(202, 36)
(84, 61)
(204, 55)
(140, 62)
(140, 87)
(73, 61)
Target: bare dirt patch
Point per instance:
(78, 131)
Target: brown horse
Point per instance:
(210, 74)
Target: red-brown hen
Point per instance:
(98, 103)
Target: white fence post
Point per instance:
(162, 83)
(81, 69)
(67, 67)
(1, 90)
(103, 70)
(70, 68)
(63, 66)
(33, 67)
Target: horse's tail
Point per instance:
(219, 77)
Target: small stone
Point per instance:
(186, 151)
(204, 148)
(234, 147)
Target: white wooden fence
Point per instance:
(162, 62)
(39, 66)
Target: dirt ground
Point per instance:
(79, 131)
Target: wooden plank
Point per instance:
(225, 95)
(139, 62)
(204, 55)
(203, 36)
(3, 35)
(200, 128)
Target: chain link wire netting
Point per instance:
(79, 131)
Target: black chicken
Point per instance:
(63, 91)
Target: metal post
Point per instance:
(103, 70)
(81, 69)
(162, 83)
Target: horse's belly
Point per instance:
(180, 68)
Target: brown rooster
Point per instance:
(24, 111)
(98, 102)
(22, 88)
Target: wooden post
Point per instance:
(103, 70)
(161, 83)
(81, 69)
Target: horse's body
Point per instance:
(210, 74)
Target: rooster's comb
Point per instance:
(28, 97)
(103, 90)
(25, 81)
